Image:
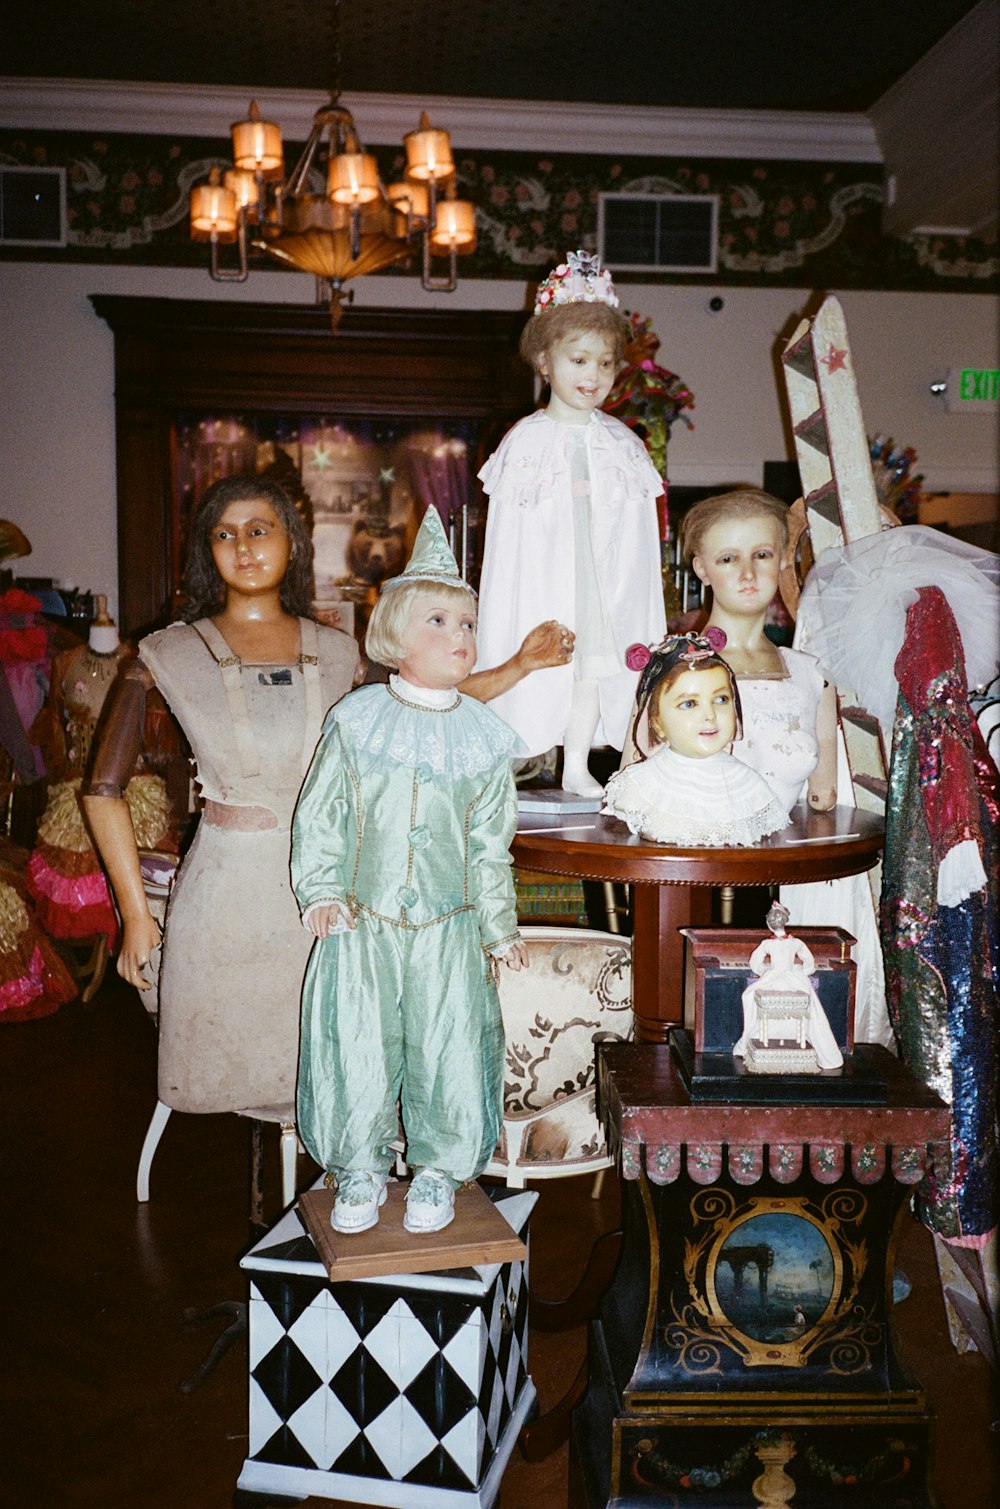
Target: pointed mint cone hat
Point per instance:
(433, 559)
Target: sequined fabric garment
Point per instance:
(941, 959)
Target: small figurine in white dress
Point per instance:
(783, 965)
(690, 792)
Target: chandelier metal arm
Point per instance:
(241, 271)
(330, 117)
(429, 283)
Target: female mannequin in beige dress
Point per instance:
(249, 680)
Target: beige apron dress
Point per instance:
(234, 949)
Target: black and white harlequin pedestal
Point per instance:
(407, 1390)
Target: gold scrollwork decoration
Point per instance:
(772, 1279)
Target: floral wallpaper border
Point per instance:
(780, 223)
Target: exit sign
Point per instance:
(973, 390)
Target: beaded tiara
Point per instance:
(579, 280)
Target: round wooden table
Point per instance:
(672, 887)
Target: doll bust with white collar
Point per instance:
(690, 792)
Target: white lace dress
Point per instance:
(779, 725)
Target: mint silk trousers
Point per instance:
(391, 1014)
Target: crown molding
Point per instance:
(512, 125)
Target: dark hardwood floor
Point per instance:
(95, 1288)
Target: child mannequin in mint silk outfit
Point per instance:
(400, 865)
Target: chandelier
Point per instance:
(352, 226)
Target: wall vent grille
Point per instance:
(32, 206)
(658, 232)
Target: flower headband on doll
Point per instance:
(579, 280)
(657, 660)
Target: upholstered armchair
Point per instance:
(576, 994)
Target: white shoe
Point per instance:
(359, 1197)
(430, 1202)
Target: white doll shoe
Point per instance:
(359, 1197)
(430, 1202)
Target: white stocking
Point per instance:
(585, 710)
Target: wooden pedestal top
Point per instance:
(478, 1235)
(644, 1104)
(814, 846)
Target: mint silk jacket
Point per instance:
(407, 814)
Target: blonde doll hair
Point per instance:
(386, 632)
(555, 324)
(740, 503)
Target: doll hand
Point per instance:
(333, 917)
(139, 939)
(548, 644)
(516, 956)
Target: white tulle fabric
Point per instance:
(852, 613)
(716, 803)
(403, 729)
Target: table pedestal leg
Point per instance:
(658, 953)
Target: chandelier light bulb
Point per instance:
(352, 178)
(412, 198)
(428, 153)
(213, 211)
(455, 226)
(257, 145)
(243, 187)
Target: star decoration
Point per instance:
(322, 457)
(387, 476)
(836, 361)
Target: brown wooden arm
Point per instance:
(116, 750)
(118, 738)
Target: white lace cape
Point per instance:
(380, 728)
(716, 803)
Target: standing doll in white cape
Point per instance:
(572, 530)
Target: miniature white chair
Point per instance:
(779, 1009)
(289, 1151)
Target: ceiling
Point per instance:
(821, 55)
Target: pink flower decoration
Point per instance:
(637, 657)
(716, 638)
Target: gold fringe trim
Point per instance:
(62, 824)
(14, 918)
(149, 805)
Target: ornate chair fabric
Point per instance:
(576, 994)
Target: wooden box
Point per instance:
(399, 1390)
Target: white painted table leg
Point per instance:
(160, 1117)
(289, 1160)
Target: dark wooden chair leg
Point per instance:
(580, 1306)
